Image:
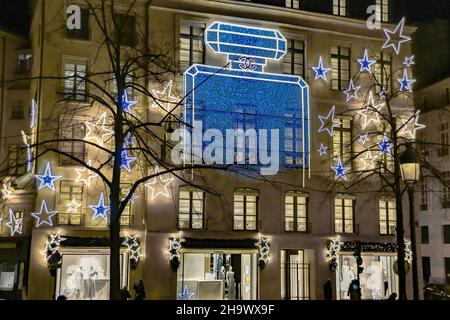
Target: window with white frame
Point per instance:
(296, 212)
(384, 7)
(443, 139)
(245, 215)
(344, 214)
(340, 67)
(340, 7)
(294, 59)
(383, 72)
(72, 132)
(24, 62)
(71, 203)
(18, 110)
(191, 208)
(129, 80)
(192, 46)
(423, 194)
(294, 4)
(17, 159)
(342, 139)
(75, 72)
(293, 140)
(387, 216)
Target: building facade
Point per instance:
(250, 239)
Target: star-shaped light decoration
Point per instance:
(100, 210)
(405, 82)
(153, 184)
(371, 112)
(135, 254)
(320, 70)
(73, 206)
(125, 193)
(33, 114)
(383, 94)
(130, 242)
(175, 247)
(126, 161)
(351, 92)
(369, 161)
(395, 38)
(416, 126)
(164, 99)
(385, 146)
(14, 224)
(340, 170)
(322, 150)
(85, 175)
(328, 123)
(44, 216)
(185, 294)
(366, 63)
(47, 180)
(363, 138)
(126, 103)
(98, 132)
(409, 61)
(129, 139)
(263, 244)
(6, 193)
(26, 141)
(57, 239)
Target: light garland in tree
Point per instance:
(320, 70)
(152, 185)
(15, 224)
(366, 63)
(395, 38)
(47, 180)
(371, 112)
(368, 162)
(351, 92)
(98, 132)
(171, 99)
(44, 216)
(416, 126)
(100, 210)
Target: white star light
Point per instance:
(85, 175)
(44, 216)
(264, 248)
(323, 150)
(385, 146)
(135, 254)
(165, 104)
(130, 242)
(185, 295)
(409, 61)
(126, 161)
(395, 38)
(363, 138)
(100, 210)
(327, 123)
(47, 180)
(365, 63)
(340, 170)
(6, 193)
(405, 82)
(73, 206)
(98, 131)
(174, 247)
(320, 70)
(371, 112)
(416, 126)
(127, 104)
(151, 185)
(14, 224)
(368, 162)
(352, 91)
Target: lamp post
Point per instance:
(410, 169)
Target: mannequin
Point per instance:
(231, 284)
(347, 276)
(222, 277)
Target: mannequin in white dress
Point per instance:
(231, 284)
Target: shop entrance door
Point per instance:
(295, 275)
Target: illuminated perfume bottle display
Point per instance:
(242, 96)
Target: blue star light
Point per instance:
(363, 138)
(322, 150)
(409, 61)
(127, 104)
(352, 91)
(405, 82)
(185, 295)
(395, 38)
(340, 170)
(47, 180)
(327, 123)
(385, 146)
(365, 63)
(320, 70)
(129, 139)
(44, 216)
(126, 161)
(100, 210)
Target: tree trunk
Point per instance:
(114, 234)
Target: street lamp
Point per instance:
(410, 169)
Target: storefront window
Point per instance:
(8, 271)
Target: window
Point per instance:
(246, 146)
(446, 189)
(296, 212)
(129, 80)
(294, 60)
(426, 269)
(83, 32)
(294, 4)
(245, 210)
(24, 63)
(384, 6)
(191, 208)
(293, 140)
(8, 275)
(447, 268)
(342, 139)
(125, 30)
(388, 220)
(17, 160)
(71, 203)
(192, 47)
(340, 7)
(18, 110)
(344, 215)
(126, 219)
(383, 72)
(446, 233)
(443, 135)
(72, 129)
(424, 235)
(423, 194)
(75, 80)
(340, 67)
